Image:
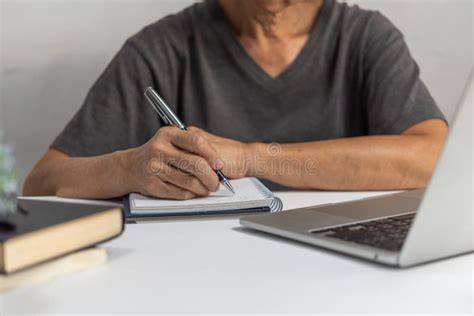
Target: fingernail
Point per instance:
(219, 164)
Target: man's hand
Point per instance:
(235, 155)
(174, 164)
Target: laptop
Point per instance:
(403, 229)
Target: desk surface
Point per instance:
(216, 266)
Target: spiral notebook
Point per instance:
(250, 196)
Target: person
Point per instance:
(304, 94)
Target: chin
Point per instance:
(275, 6)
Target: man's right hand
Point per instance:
(174, 164)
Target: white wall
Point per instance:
(53, 50)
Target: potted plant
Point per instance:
(8, 184)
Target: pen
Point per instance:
(168, 117)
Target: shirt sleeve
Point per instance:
(115, 115)
(394, 96)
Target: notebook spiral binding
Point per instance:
(277, 204)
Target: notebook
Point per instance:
(250, 196)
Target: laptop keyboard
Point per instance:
(388, 233)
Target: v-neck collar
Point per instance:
(224, 29)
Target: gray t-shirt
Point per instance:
(354, 76)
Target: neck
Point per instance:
(276, 20)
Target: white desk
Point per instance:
(214, 266)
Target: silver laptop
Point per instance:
(402, 229)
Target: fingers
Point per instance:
(181, 179)
(160, 189)
(173, 151)
(206, 135)
(192, 164)
(194, 142)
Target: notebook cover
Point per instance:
(275, 206)
(129, 215)
(35, 215)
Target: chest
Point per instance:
(274, 56)
(304, 109)
(230, 93)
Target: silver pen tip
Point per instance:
(228, 186)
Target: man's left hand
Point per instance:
(234, 154)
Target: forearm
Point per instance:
(99, 177)
(363, 163)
